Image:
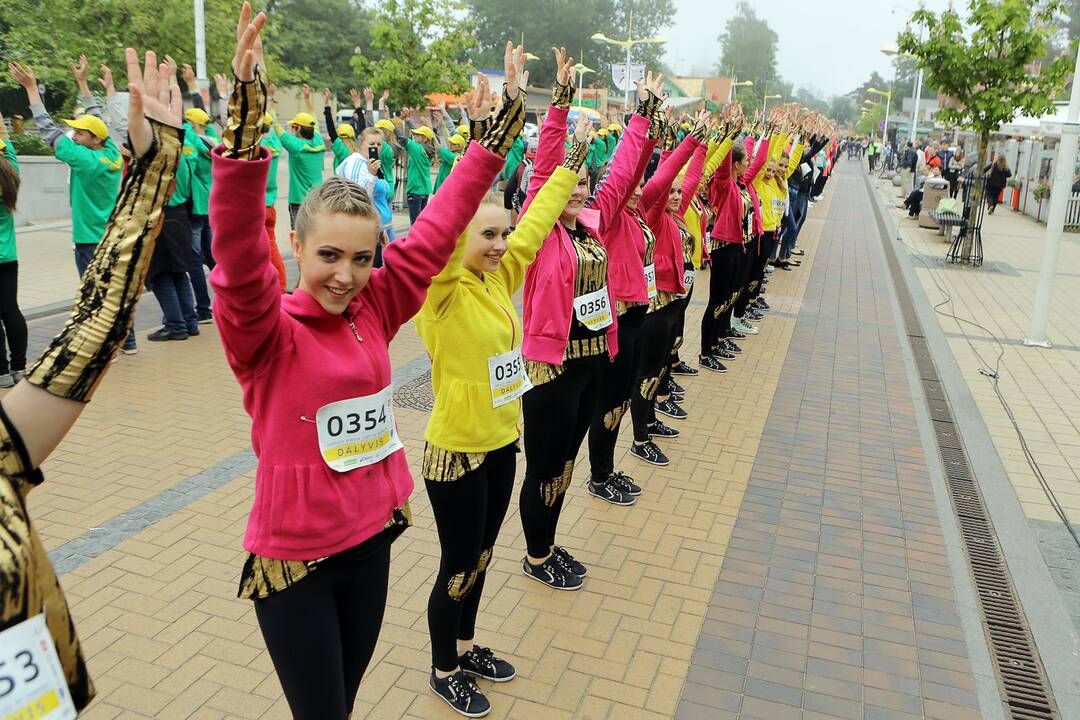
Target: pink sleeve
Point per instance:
(656, 190)
(399, 287)
(550, 151)
(618, 183)
(643, 164)
(724, 172)
(247, 299)
(693, 177)
(759, 160)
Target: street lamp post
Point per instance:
(765, 102)
(581, 72)
(888, 102)
(200, 46)
(744, 83)
(628, 43)
(918, 95)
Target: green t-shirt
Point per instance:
(305, 164)
(271, 142)
(513, 158)
(447, 159)
(182, 191)
(94, 186)
(7, 220)
(418, 176)
(198, 153)
(340, 151)
(386, 155)
(597, 154)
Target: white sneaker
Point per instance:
(745, 327)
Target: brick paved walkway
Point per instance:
(834, 599)
(798, 483)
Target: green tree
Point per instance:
(314, 39)
(417, 47)
(842, 110)
(870, 122)
(987, 66)
(749, 48)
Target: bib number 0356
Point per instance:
(32, 684)
(358, 432)
(593, 309)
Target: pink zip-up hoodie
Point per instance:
(668, 255)
(726, 200)
(549, 282)
(291, 357)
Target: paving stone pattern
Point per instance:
(835, 597)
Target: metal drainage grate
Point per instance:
(416, 394)
(1022, 680)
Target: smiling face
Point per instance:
(487, 238)
(675, 196)
(577, 199)
(635, 198)
(337, 229)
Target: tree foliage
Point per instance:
(314, 39)
(749, 48)
(842, 110)
(870, 122)
(417, 47)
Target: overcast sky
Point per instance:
(829, 45)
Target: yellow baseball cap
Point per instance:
(463, 130)
(425, 131)
(456, 139)
(90, 123)
(197, 115)
(347, 131)
(268, 119)
(385, 124)
(614, 126)
(602, 132)
(303, 119)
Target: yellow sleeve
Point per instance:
(776, 149)
(793, 161)
(712, 164)
(535, 225)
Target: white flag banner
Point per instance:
(619, 77)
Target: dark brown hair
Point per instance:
(9, 185)
(738, 154)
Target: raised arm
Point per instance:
(398, 288)
(44, 407)
(692, 178)
(656, 190)
(794, 159)
(760, 158)
(550, 147)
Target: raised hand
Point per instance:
(189, 77)
(514, 68)
(221, 83)
(355, 95)
(23, 75)
(583, 129)
(326, 97)
(155, 95)
(369, 96)
(701, 121)
(248, 56)
(477, 105)
(306, 89)
(383, 98)
(81, 70)
(564, 66)
(106, 81)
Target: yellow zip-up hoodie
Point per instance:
(466, 320)
(773, 193)
(713, 157)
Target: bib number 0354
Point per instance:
(358, 432)
(593, 309)
(32, 684)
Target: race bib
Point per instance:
(688, 279)
(650, 280)
(32, 683)
(778, 205)
(593, 309)
(358, 432)
(506, 375)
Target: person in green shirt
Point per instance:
(306, 150)
(419, 151)
(596, 158)
(200, 138)
(14, 334)
(386, 154)
(447, 157)
(96, 168)
(272, 143)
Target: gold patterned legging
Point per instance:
(657, 336)
(469, 512)
(557, 415)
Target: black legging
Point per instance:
(742, 289)
(322, 631)
(657, 334)
(721, 278)
(615, 388)
(468, 512)
(680, 323)
(12, 318)
(557, 415)
(765, 249)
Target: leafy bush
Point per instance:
(30, 143)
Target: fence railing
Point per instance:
(1072, 213)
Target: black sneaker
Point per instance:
(683, 369)
(625, 483)
(710, 363)
(650, 453)
(677, 397)
(567, 561)
(460, 693)
(671, 409)
(731, 347)
(754, 315)
(723, 353)
(659, 429)
(675, 388)
(734, 334)
(551, 574)
(609, 492)
(207, 318)
(164, 334)
(481, 662)
(760, 304)
(193, 331)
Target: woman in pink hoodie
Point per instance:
(332, 486)
(570, 334)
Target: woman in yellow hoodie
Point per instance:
(472, 332)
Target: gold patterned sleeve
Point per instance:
(479, 128)
(78, 357)
(575, 155)
(247, 107)
(563, 95)
(507, 125)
